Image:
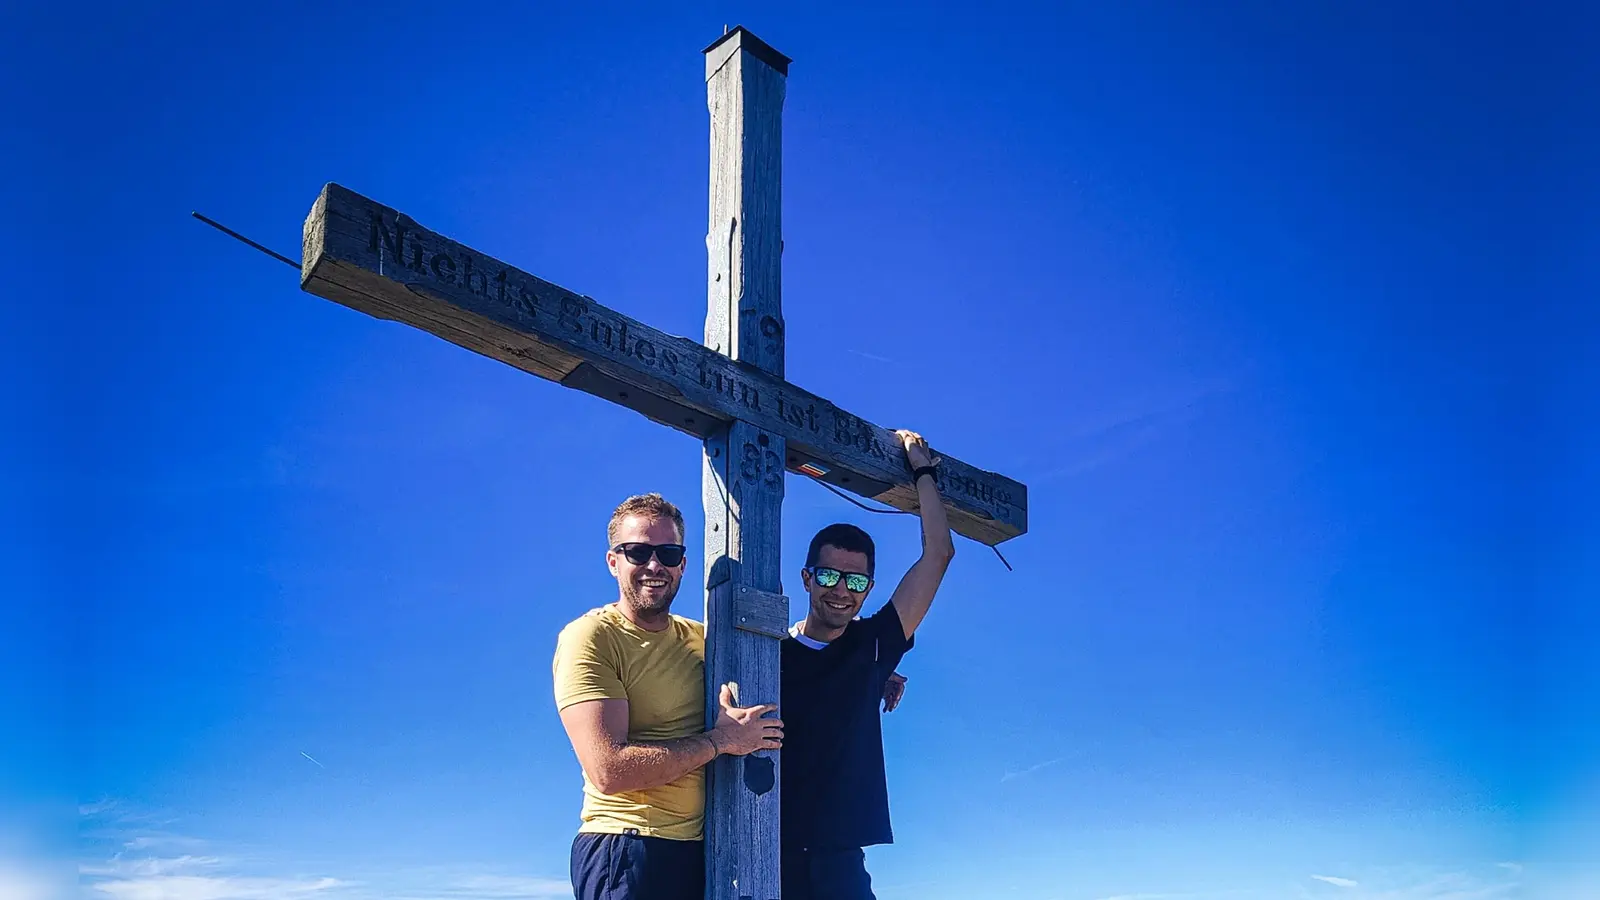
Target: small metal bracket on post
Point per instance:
(760, 612)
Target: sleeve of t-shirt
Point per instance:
(585, 666)
(889, 638)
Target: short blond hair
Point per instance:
(650, 506)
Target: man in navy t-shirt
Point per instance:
(835, 666)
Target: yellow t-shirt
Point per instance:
(602, 655)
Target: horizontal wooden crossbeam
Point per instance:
(371, 258)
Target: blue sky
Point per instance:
(1276, 310)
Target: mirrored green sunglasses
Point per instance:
(853, 581)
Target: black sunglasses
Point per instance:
(853, 581)
(639, 554)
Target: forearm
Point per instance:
(936, 540)
(641, 765)
(914, 594)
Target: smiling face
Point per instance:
(834, 607)
(647, 588)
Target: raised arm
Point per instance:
(914, 594)
(598, 730)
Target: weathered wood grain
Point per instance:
(761, 612)
(743, 497)
(744, 464)
(744, 243)
(372, 258)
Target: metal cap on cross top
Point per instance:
(741, 38)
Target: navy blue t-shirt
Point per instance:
(835, 793)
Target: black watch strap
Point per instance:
(918, 472)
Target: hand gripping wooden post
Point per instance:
(730, 392)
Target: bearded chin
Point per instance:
(637, 600)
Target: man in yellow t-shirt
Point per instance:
(630, 687)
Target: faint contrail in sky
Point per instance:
(310, 757)
(1030, 770)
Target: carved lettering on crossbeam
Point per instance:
(372, 258)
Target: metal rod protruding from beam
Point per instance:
(234, 234)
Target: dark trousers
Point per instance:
(825, 874)
(631, 867)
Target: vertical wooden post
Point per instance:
(744, 465)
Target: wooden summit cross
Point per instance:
(730, 392)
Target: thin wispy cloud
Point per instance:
(220, 878)
(1510, 866)
(872, 356)
(117, 829)
(163, 841)
(207, 887)
(1143, 408)
(150, 866)
(1010, 776)
(1123, 430)
(511, 887)
(1187, 895)
(435, 884)
(192, 878)
(1490, 882)
(110, 812)
(135, 864)
(312, 758)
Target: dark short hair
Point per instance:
(649, 506)
(845, 537)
